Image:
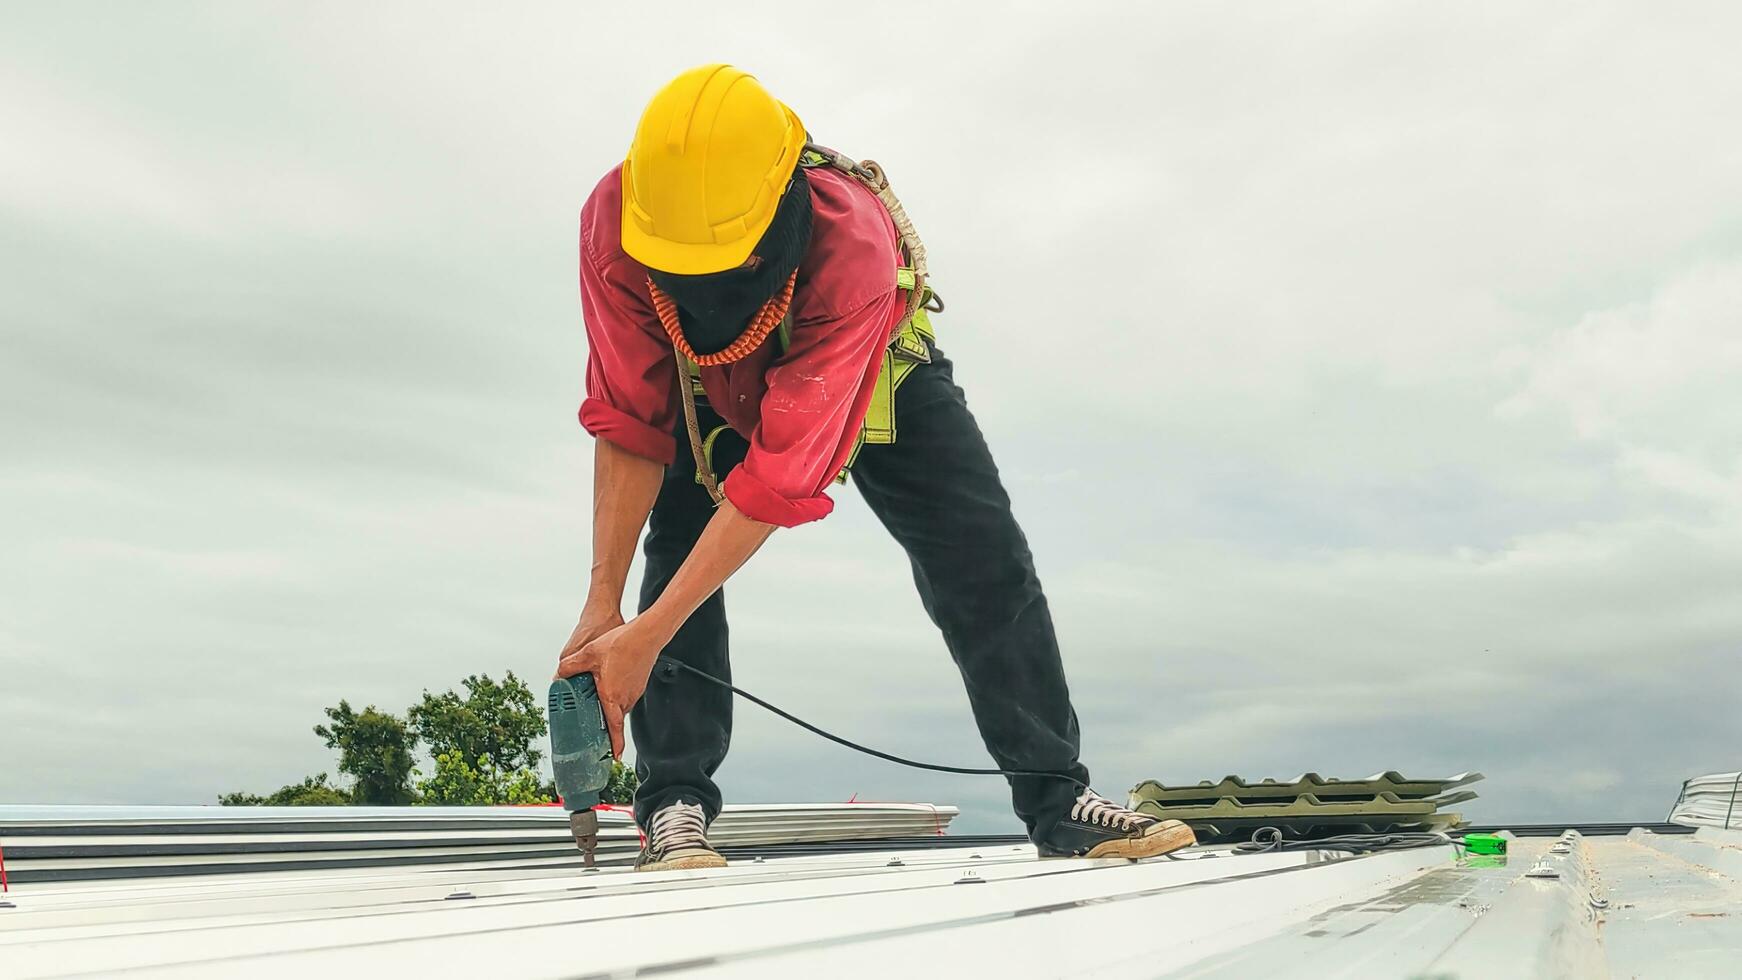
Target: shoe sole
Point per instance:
(688, 863)
(1168, 837)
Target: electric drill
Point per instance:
(580, 752)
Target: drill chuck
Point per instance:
(584, 824)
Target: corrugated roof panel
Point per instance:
(1309, 805)
(1324, 788)
(88, 843)
(1710, 801)
(1382, 806)
(591, 924)
(1643, 905)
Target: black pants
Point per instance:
(937, 491)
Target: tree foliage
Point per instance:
(621, 788)
(375, 750)
(312, 791)
(497, 722)
(483, 744)
(459, 783)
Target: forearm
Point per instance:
(725, 545)
(624, 488)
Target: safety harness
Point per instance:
(909, 346)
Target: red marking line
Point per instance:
(629, 810)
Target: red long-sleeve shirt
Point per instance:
(801, 410)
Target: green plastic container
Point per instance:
(1484, 843)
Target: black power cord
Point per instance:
(672, 666)
(1265, 839)
(1269, 839)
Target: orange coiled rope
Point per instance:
(761, 325)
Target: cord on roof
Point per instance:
(674, 665)
(1269, 839)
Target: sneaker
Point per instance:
(1099, 828)
(678, 838)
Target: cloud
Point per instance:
(1362, 382)
(1651, 382)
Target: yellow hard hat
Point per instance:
(711, 156)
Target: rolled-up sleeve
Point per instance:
(630, 370)
(817, 397)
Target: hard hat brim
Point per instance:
(701, 258)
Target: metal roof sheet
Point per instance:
(1308, 805)
(1710, 801)
(1644, 905)
(1324, 788)
(88, 843)
(1379, 806)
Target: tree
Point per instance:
(312, 791)
(375, 749)
(496, 722)
(621, 788)
(458, 783)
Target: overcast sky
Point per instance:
(1366, 379)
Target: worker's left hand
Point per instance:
(620, 662)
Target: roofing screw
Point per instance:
(973, 857)
(1561, 848)
(896, 863)
(1543, 870)
(458, 895)
(758, 859)
(971, 878)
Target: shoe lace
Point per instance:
(1094, 808)
(677, 826)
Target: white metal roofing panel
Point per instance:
(1645, 905)
(87, 843)
(1710, 801)
(608, 921)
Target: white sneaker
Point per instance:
(678, 838)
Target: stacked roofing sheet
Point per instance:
(1642, 906)
(1710, 801)
(90, 843)
(1309, 805)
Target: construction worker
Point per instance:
(756, 307)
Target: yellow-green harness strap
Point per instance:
(908, 350)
